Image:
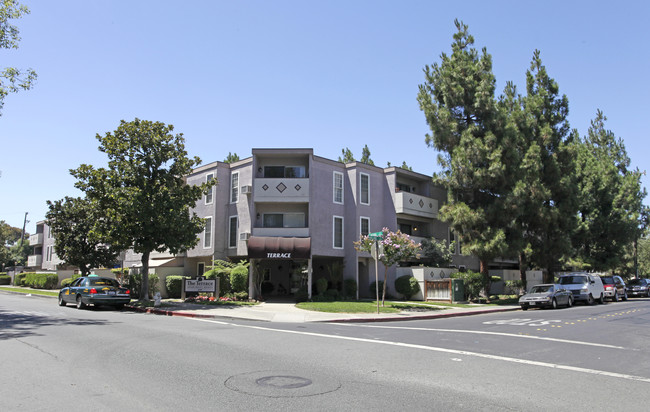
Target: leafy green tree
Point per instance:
(143, 195)
(72, 221)
(395, 247)
(458, 102)
(19, 252)
(12, 80)
(348, 157)
(365, 156)
(232, 158)
(611, 199)
(9, 236)
(644, 257)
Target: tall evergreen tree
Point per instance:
(348, 157)
(365, 156)
(466, 125)
(611, 198)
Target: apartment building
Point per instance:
(295, 216)
(44, 256)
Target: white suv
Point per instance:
(584, 286)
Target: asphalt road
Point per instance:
(580, 358)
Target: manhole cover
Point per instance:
(281, 384)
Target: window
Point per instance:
(207, 233)
(208, 196)
(284, 220)
(234, 187)
(365, 226)
(200, 269)
(338, 187)
(401, 187)
(232, 232)
(284, 171)
(406, 229)
(365, 189)
(338, 232)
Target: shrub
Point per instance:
(373, 290)
(5, 280)
(321, 286)
(41, 280)
(174, 286)
(224, 279)
(18, 279)
(473, 283)
(333, 294)
(407, 285)
(66, 282)
(135, 283)
(239, 279)
(350, 288)
(301, 295)
(243, 296)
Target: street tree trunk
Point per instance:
(144, 285)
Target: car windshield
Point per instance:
(541, 289)
(572, 280)
(607, 279)
(103, 282)
(636, 282)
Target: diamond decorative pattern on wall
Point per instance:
(297, 187)
(411, 201)
(265, 187)
(421, 203)
(281, 187)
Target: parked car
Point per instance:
(546, 295)
(638, 287)
(586, 287)
(614, 288)
(95, 290)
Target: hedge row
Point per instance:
(5, 279)
(40, 280)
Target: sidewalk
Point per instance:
(289, 313)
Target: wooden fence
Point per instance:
(438, 290)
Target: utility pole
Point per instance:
(22, 236)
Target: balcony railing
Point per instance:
(34, 260)
(416, 205)
(281, 231)
(36, 239)
(281, 190)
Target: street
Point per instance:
(56, 358)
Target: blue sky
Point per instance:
(237, 75)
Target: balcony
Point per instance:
(281, 231)
(34, 260)
(416, 205)
(36, 239)
(281, 190)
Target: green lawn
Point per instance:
(32, 291)
(365, 307)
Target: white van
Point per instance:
(584, 286)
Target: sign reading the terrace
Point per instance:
(200, 285)
(270, 255)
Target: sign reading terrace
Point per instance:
(270, 255)
(200, 285)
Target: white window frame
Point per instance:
(335, 188)
(207, 233)
(361, 175)
(209, 197)
(230, 238)
(334, 219)
(361, 219)
(234, 187)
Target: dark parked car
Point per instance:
(614, 288)
(95, 290)
(546, 295)
(638, 287)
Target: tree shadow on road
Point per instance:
(15, 324)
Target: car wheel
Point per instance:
(119, 306)
(625, 295)
(615, 297)
(80, 304)
(524, 307)
(554, 303)
(601, 300)
(591, 300)
(648, 294)
(61, 301)
(570, 302)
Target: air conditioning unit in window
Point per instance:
(244, 236)
(247, 189)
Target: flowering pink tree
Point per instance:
(395, 247)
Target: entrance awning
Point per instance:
(279, 247)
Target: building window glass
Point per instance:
(200, 269)
(207, 233)
(284, 220)
(208, 196)
(338, 187)
(232, 232)
(284, 171)
(338, 232)
(234, 187)
(365, 226)
(365, 189)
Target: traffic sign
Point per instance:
(376, 235)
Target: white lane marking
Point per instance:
(479, 332)
(444, 350)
